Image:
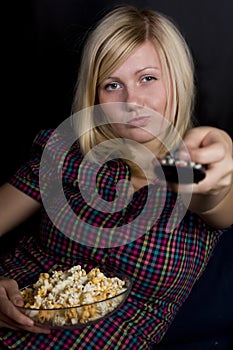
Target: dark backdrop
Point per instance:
(41, 51)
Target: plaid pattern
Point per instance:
(163, 266)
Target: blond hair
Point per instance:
(112, 41)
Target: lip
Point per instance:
(138, 121)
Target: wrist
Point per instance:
(219, 213)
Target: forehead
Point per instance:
(144, 56)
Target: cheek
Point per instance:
(105, 97)
(161, 100)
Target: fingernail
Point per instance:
(29, 322)
(18, 302)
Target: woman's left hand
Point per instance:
(213, 148)
(212, 197)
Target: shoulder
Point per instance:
(42, 137)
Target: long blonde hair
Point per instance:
(111, 42)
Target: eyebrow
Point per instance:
(139, 71)
(147, 68)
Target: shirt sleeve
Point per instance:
(26, 178)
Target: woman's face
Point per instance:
(139, 86)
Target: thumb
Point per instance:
(15, 297)
(11, 291)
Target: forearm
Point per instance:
(215, 210)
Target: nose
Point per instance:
(133, 96)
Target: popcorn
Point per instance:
(66, 291)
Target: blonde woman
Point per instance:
(137, 68)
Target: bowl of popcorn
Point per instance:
(75, 297)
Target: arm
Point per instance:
(212, 198)
(15, 207)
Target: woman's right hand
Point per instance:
(10, 316)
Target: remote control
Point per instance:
(179, 171)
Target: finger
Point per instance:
(12, 318)
(203, 136)
(14, 294)
(38, 329)
(9, 313)
(213, 153)
(209, 147)
(9, 289)
(33, 329)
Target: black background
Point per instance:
(41, 45)
(40, 50)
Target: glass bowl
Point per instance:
(92, 295)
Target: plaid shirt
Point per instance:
(163, 264)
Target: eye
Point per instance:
(112, 86)
(148, 78)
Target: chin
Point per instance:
(141, 136)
